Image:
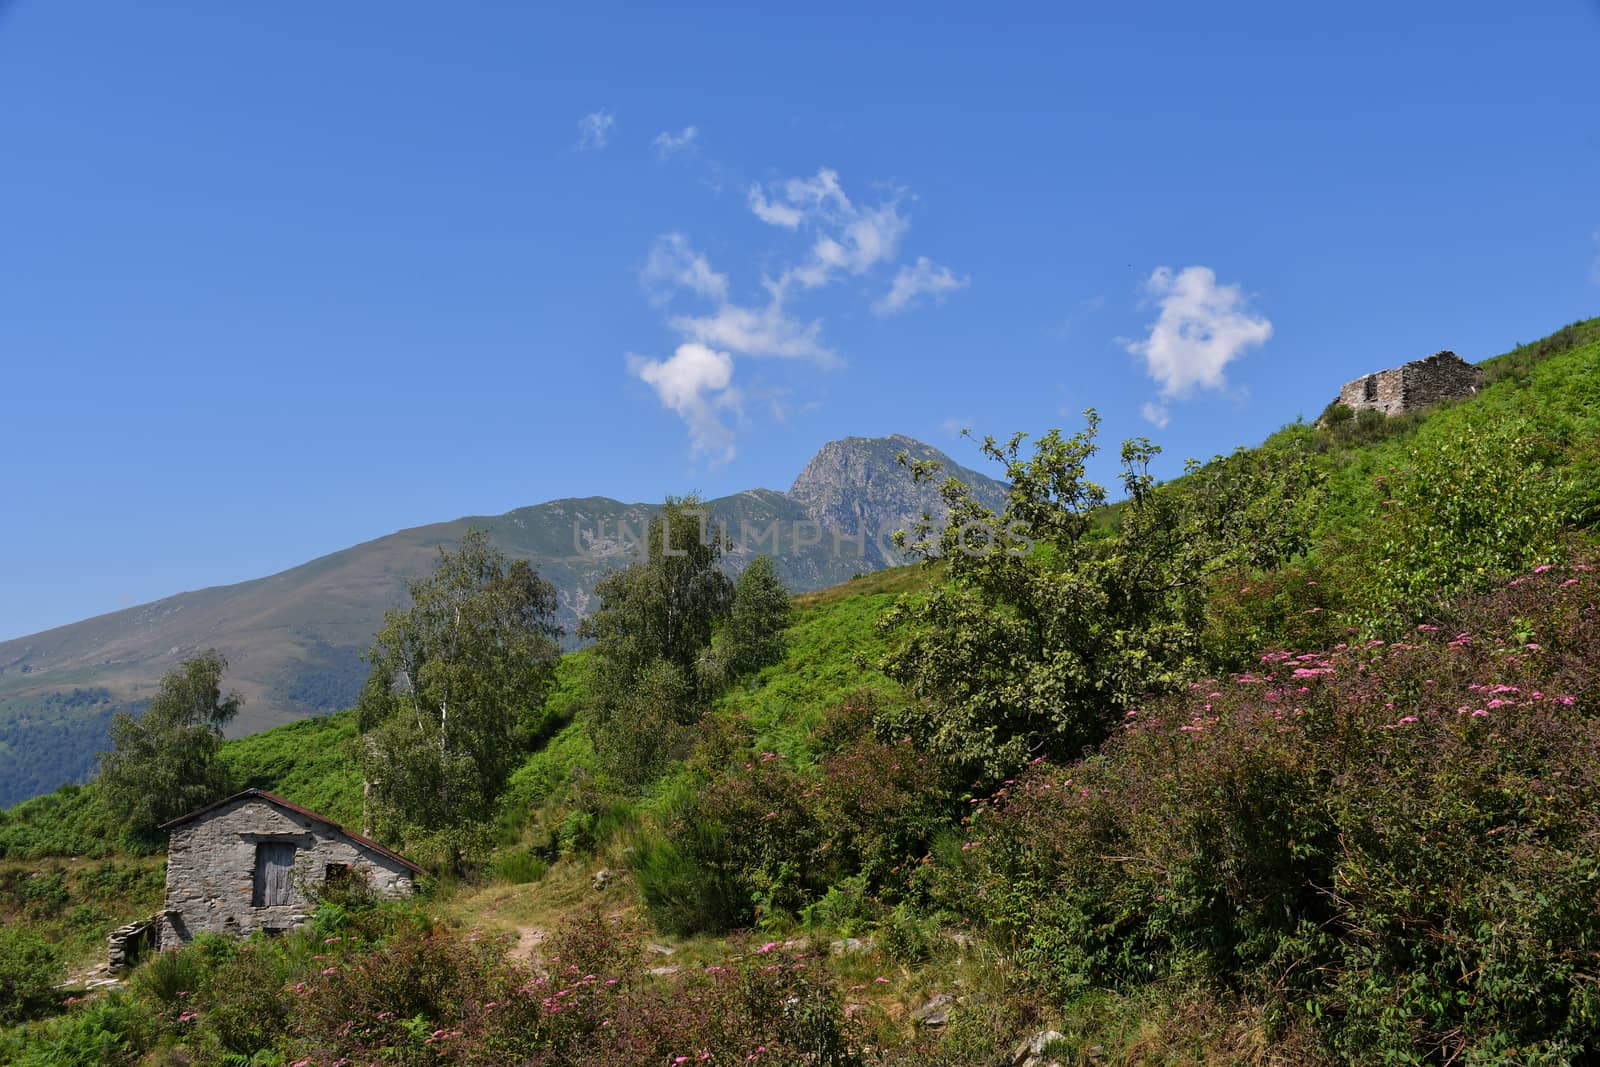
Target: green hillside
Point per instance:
(294, 640)
(1351, 817)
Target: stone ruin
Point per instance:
(1419, 384)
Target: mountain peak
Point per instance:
(856, 483)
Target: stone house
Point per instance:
(1419, 384)
(247, 863)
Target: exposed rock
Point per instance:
(660, 950)
(602, 878)
(1030, 1053)
(856, 486)
(850, 946)
(936, 1012)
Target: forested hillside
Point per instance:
(1290, 760)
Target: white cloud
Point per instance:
(594, 129)
(844, 239)
(850, 239)
(696, 382)
(673, 263)
(773, 212)
(668, 143)
(1202, 328)
(767, 331)
(916, 280)
(1156, 413)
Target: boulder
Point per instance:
(1030, 1053)
(936, 1012)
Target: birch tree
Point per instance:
(457, 684)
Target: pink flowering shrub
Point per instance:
(1399, 842)
(444, 997)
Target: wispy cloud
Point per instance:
(758, 331)
(594, 129)
(673, 264)
(1201, 328)
(920, 279)
(668, 143)
(850, 239)
(696, 382)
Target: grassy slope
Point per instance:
(1554, 383)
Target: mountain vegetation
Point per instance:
(1289, 760)
(296, 639)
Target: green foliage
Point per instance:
(1027, 652)
(1394, 844)
(1470, 502)
(756, 631)
(30, 967)
(671, 633)
(311, 762)
(458, 680)
(164, 763)
(652, 638)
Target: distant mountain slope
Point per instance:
(294, 639)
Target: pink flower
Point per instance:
(768, 947)
(881, 979)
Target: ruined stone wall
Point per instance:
(211, 870)
(1384, 391)
(1440, 377)
(1419, 384)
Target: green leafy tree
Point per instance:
(755, 634)
(164, 763)
(653, 633)
(457, 681)
(1060, 612)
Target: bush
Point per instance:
(519, 867)
(747, 840)
(879, 807)
(30, 967)
(1396, 844)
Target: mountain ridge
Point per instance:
(293, 638)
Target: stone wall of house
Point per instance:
(1442, 376)
(211, 869)
(1419, 384)
(1384, 391)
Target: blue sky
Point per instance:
(275, 279)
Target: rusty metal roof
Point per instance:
(274, 799)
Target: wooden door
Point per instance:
(274, 883)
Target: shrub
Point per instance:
(879, 807)
(520, 866)
(1397, 844)
(740, 850)
(30, 967)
